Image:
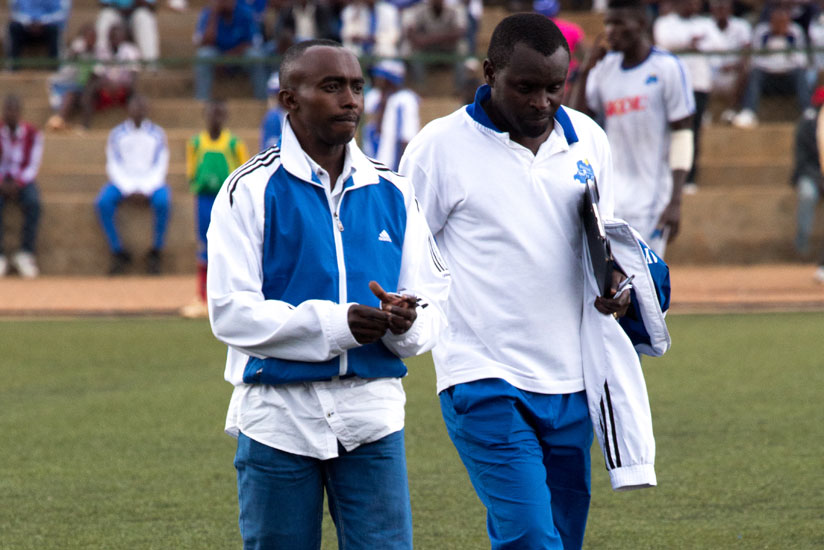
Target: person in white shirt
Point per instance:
(645, 98)
(303, 239)
(502, 182)
(137, 160)
(680, 30)
(783, 72)
(729, 71)
(370, 27)
(393, 113)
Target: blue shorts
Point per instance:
(528, 457)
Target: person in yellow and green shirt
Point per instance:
(211, 156)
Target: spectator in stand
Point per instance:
(474, 11)
(782, 72)
(807, 175)
(228, 28)
(302, 20)
(371, 27)
(433, 28)
(573, 34)
(113, 81)
(137, 160)
(393, 114)
(36, 22)
(729, 72)
(211, 156)
(272, 126)
(21, 150)
(67, 84)
(680, 30)
(139, 17)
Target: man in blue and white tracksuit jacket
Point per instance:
(528, 365)
(292, 250)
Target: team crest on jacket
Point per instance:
(585, 172)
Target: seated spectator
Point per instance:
(370, 27)
(228, 28)
(432, 30)
(474, 10)
(782, 72)
(301, 20)
(211, 156)
(137, 160)
(729, 72)
(392, 113)
(21, 150)
(807, 176)
(35, 22)
(67, 84)
(139, 17)
(272, 125)
(681, 30)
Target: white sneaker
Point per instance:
(4, 265)
(819, 275)
(196, 309)
(746, 119)
(727, 115)
(25, 265)
(178, 5)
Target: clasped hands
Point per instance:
(397, 313)
(617, 307)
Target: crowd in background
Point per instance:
(734, 52)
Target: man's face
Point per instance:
(326, 99)
(215, 116)
(527, 92)
(11, 112)
(624, 28)
(137, 109)
(721, 9)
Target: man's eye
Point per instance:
(333, 87)
(357, 88)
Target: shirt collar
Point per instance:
(361, 171)
(476, 111)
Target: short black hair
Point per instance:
(294, 52)
(532, 29)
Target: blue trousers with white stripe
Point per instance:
(528, 457)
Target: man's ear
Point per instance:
(489, 72)
(287, 98)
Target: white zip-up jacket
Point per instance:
(616, 390)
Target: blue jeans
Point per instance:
(205, 71)
(528, 457)
(203, 215)
(29, 200)
(281, 497)
(106, 205)
(808, 194)
(759, 82)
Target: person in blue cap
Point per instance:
(272, 125)
(393, 112)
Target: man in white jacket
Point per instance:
(502, 182)
(302, 240)
(137, 160)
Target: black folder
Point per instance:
(600, 253)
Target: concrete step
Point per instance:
(71, 242)
(772, 142)
(744, 172)
(739, 225)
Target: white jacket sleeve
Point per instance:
(155, 177)
(425, 275)
(315, 330)
(115, 171)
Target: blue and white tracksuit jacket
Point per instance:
(285, 265)
(616, 391)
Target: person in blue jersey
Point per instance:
(305, 240)
(272, 124)
(502, 182)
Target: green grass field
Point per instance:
(112, 439)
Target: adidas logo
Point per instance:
(384, 236)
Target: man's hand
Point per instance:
(670, 220)
(9, 188)
(368, 324)
(617, 307)
(402, 309)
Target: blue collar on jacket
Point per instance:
(476, 111)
